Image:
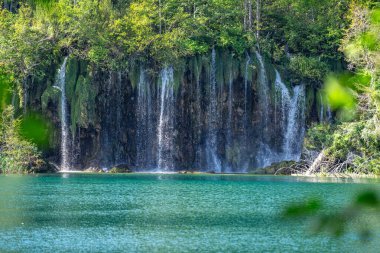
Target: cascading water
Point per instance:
(325, 114)
(144, 127)
(265, 155)
(119, 154)
(165, 131)
(213, 161)
(199, 125)
(65, 133)
(227, 122)
(295, 126)
(230, 109)
(321, 109)
(247, 63)
(292, 119)
(263, 91)
(329, 114)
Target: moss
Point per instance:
(281, 168)
(72, 72)
(309, 100)
(83, 106)
(83, 68)
(195, 66)
(134, 73)
(120, 170)
(50, 94)
(179, 72)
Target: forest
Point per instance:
(330, 47)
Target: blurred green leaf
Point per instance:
(36, 129)
(339, 96)
(309, 207)
(375, 16)
(368, 198)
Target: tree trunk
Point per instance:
(159, 15)
(245, 15)
(249, 14)
(258, 7)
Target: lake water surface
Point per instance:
(168, 213)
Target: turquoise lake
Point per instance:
(168, 213)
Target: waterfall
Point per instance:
(198, 101)
(285, 100)
(117, 137)
(230, 109)
(213, 161)
(295, 126)
(321, 109)
(229, 125)
(325, 115)
(65, 134)
(263, 91)
(165, 131)
(144, 128)
(112, 125)
(292, 119)
(247, 63)
(265, 156)
(329, 113)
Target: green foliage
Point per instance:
(318, 137)
(308, 68)
(50, 94)
(83, 105)
(5, 89)
(354, 142)
(16, 154)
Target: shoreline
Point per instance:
(314, 175)
(337, 175)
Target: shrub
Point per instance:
(16, 155)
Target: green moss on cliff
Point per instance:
(83, 106)
(50, 94)
(72, 72)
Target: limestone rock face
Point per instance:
(210, 113)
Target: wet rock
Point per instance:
(121, 168)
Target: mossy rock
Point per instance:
(50, 94)
(281, 168)
(83, 106)
(71, 78)
(122, 168)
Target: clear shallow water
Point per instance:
(166, 213)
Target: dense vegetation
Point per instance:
(352, 145)
(311, 38)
